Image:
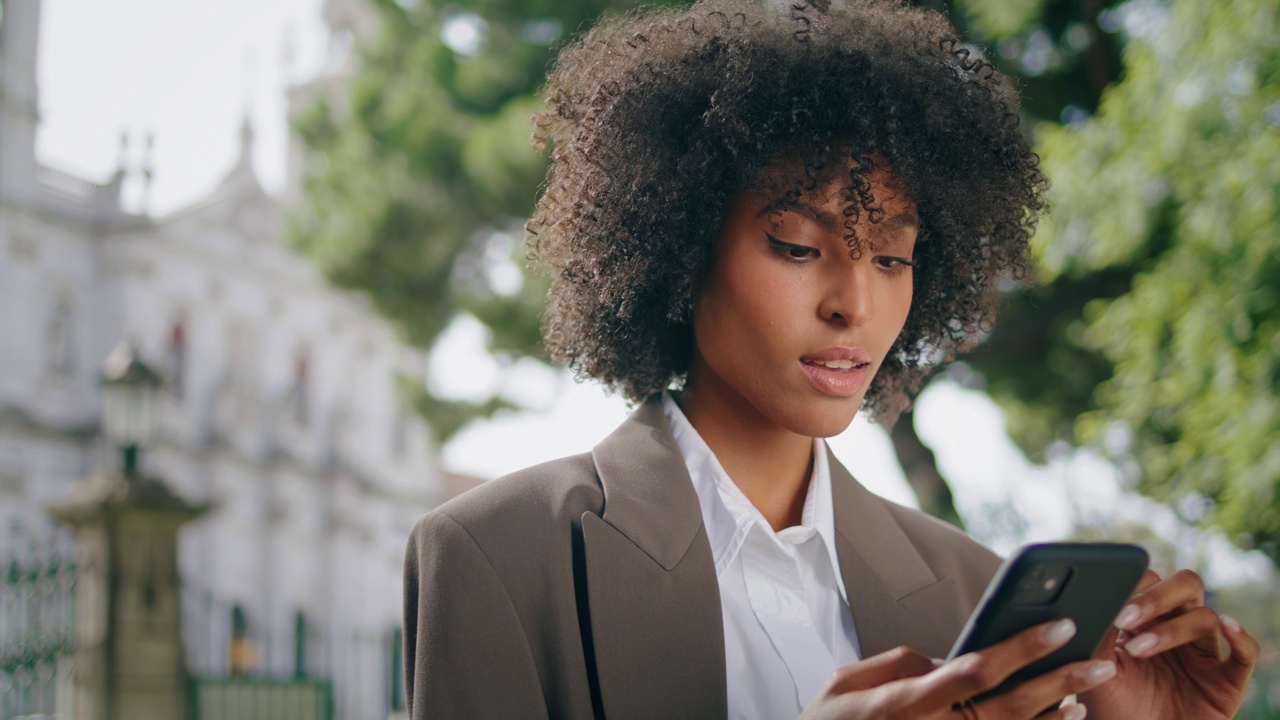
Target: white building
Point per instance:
(281, 408)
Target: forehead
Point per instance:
(828, 197)
(829, 182)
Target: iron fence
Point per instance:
(226, 644)
(37, 623)
(239, 668)
(250, 698)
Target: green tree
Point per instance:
(1153, 333)
(422, 174)
(1063, 55)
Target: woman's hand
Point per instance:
(1167, 646)
(902, 683)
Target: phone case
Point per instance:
(1101, 578)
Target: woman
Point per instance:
(759, 219)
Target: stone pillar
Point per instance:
(129, 662)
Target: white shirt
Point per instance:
(787, 624)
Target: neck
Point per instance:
(769, 464)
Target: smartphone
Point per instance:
(1087, 582)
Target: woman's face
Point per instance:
(789, 330)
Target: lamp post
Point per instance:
(129, 662)
(130, 404)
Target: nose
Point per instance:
(848, 298)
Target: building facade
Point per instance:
(281, 405)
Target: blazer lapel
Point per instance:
(892, 591)
(653, 598)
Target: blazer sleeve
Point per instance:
(466, 653)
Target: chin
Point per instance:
(824, 420)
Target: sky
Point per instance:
(191, 71)
(186, 70)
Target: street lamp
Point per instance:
(130, 403)
(126, 549)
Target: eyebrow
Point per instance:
(828, 221)
(803, 209)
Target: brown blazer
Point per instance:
(585, 587)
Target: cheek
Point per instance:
(756, 305)
(901, 301)
(741, 317)
(897, 306)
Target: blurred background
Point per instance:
(303, 218)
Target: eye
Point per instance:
(893, 265)
(791, 251)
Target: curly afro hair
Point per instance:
(659, 118)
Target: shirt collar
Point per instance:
(728, 515)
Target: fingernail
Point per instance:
(1142, 644)
(1128, 616)
(1231, 624)
(1060, 632)
(1075, 712)
(1099, 672)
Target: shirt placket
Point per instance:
(777, 599)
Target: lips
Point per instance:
(837, 371)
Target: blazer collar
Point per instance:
(864, 522)
(648, 495)
(654, 627)
(894, 595)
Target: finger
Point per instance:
(1244, 652)
(1070, 712)
(1047, 690)
(1183, 589)
(1198, 625)
(977, 672)
(896, 664)
(1149, 578)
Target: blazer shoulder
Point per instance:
(533, 504)
(947, 549)
(490, 592)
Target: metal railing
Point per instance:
(37, 625)
(226, 644)
(255, 698)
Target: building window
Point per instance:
(177, 360)
(238, 406)
(299, 402)
(60, 340)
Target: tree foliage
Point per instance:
(1064, 54)
(422, 174)
(1158, 302)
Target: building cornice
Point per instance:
(15, 418)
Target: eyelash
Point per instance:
(786, 251)
(898, 266)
